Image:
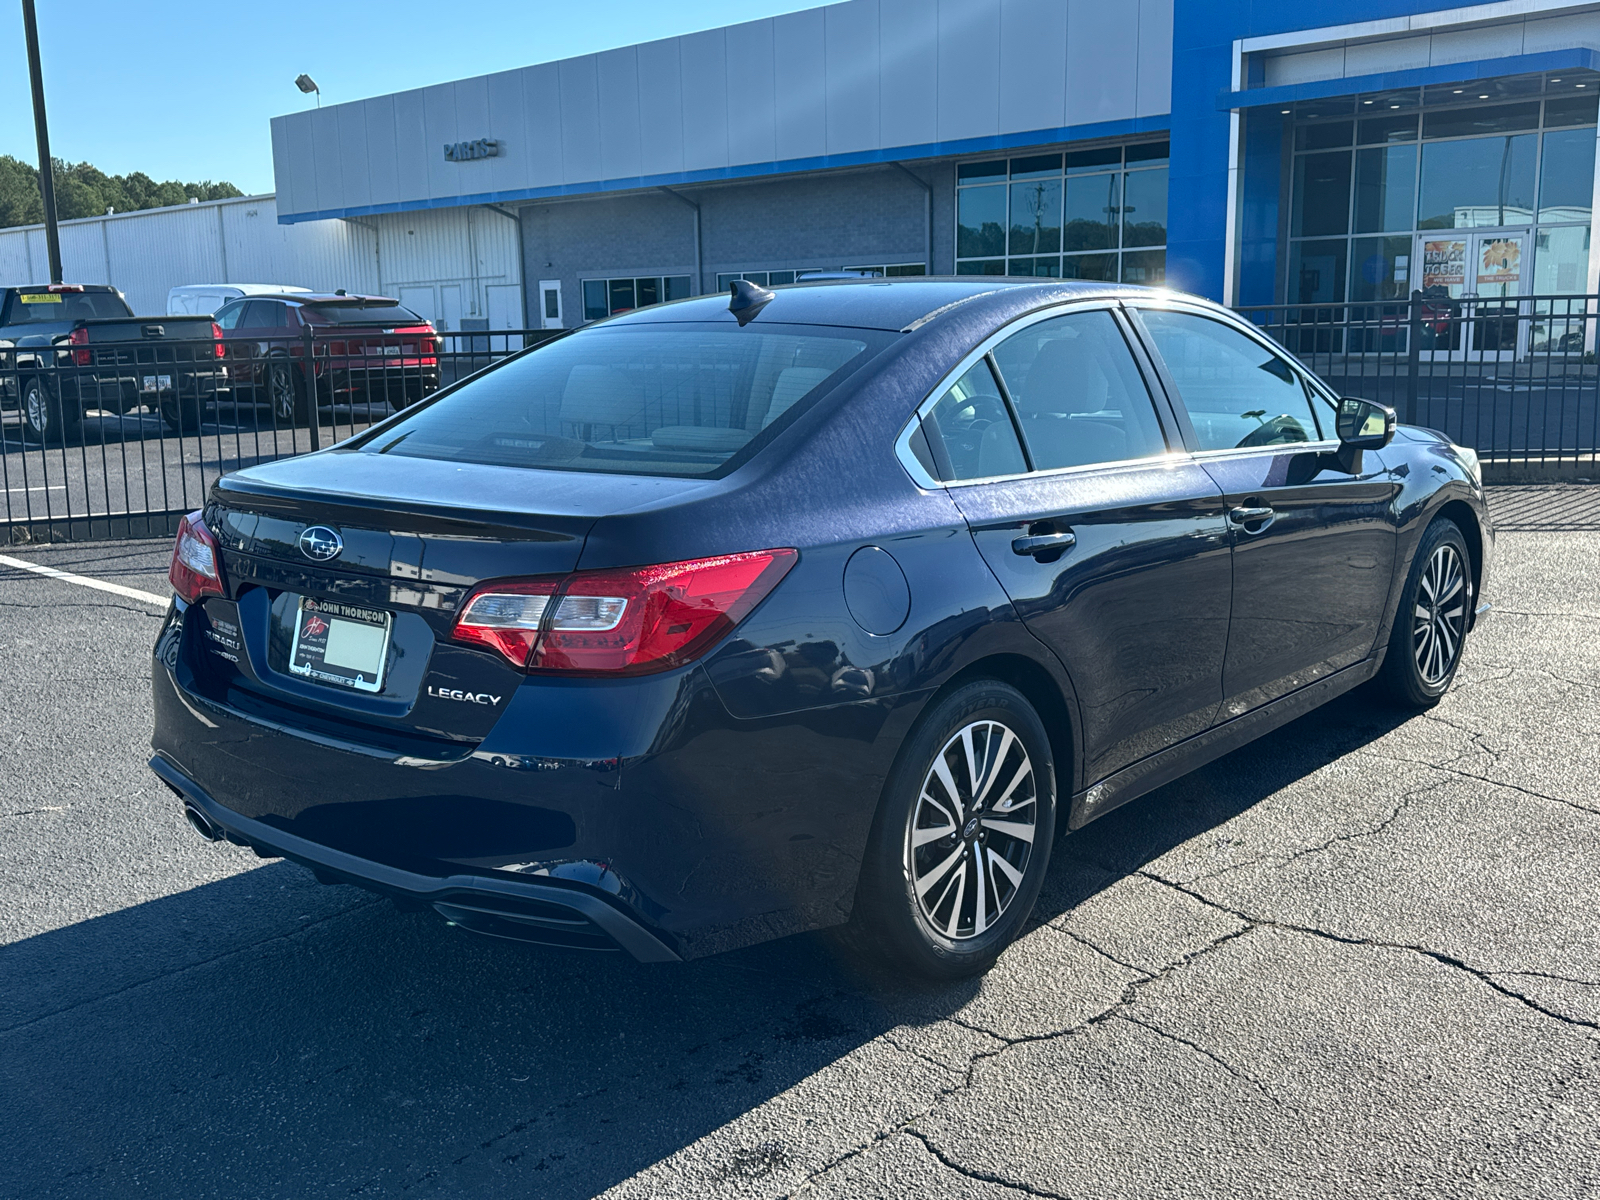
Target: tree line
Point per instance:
(83, 190)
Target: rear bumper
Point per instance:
(545, 913)
(124, 385)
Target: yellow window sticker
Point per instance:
(39, 297)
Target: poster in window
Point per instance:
(1500, 261)
(1444, 264)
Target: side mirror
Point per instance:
(1362, 425)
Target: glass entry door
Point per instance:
(1472, 282)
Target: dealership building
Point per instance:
(1255, 151)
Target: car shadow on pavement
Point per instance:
(263, 1036)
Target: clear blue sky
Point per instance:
(185, 91)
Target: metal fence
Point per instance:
(1512, 377)
(112, 440)
(120, 439)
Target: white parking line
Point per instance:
(115, 589)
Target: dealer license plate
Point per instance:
(341, 644)
(158, 383)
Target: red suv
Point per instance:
(364, 349)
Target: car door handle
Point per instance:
(1043, 543)
(1246, 517)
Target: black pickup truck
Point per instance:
(67, 348)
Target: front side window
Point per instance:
(1238, 393)
(1078, 396)
(228, 315)
(668, 399)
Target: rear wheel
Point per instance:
(45, 418)
(181, 415)
(1430, 625)
(963, 835)
(285, 395)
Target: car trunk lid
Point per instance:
(395, 546)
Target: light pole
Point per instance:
(305, 83)
(47, 183)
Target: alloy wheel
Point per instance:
(282, 393)
(38, 412)
(1439, 615)
(971, 831)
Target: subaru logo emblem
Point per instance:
(320, 543)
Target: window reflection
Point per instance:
(1095, 214)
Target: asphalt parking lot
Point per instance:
(1357, 958)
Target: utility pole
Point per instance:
(47, 183)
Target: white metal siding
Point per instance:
(864, 77)
(1343, 59)
(240, 241)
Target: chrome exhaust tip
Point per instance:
(201, 824)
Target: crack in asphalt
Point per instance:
(1199, 1049)
(203, 962)
(1588, 983)
(1473, 775)
(1010, 1185)
(147, 611)
(1100, 950)
(1581, 616)
(967, 1076)
(33, 812)
(1485, 977)
(1278, 861)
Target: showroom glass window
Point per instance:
(791, 274)
(607, 297)
(1372, 176)
(1082, 214)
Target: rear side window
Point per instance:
(39, 308)
(971, 431)
(669, 399)
(1238, 393)
(1078, 395)
(360, 314)
(264, 314)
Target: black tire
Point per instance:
(918, 904)
(285, 394)
(45, 419)
(1430, 630)
(181, 415)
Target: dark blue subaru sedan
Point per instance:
(747, 615)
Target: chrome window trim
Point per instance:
(902, 444)
(1169, 459)
(1322, 446)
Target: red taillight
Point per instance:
(632, 621)
(80, 337)
(216, 337)
(506, 617)
(196, 569)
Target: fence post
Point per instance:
(309, 374)
(1413, 356)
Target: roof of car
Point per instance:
(893, 304)
(353, 299)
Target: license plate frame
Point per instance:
(354, 631)
(157, 383)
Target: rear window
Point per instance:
(644, 399)
(360, 314)
(39, 308)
